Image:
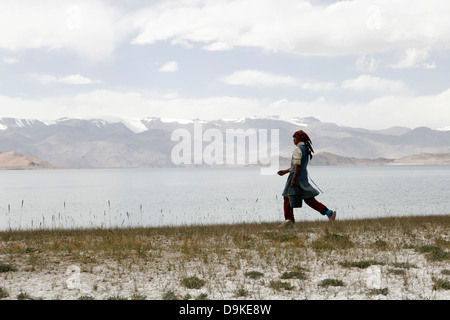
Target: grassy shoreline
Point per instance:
(381, 258)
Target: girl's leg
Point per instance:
(316, 205)
(288, 211)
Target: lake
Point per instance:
(87, 198)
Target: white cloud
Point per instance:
(255, 78)
(90, 28)
(344, 27)
(77, 79)
(414, 58)
(318, 86)
(74, 79)
(9, 60)
(366, 64)
(171, 66)
(94, 28)
(376, 84)
(429, 110)
(44, 78)
(218, 46)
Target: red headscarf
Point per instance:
(302, 136)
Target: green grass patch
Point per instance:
(254, 274)
(397, 272)
(440, 284)
(331, 282)
(201, 296)
(6, 267)
(364, 264)
(434, 253)
(445, 272)
(383, 291)
(3, 293)
(404, 265)
(170, 295)
(241, 292)
(193, 282)
(281, 285)
(298, 272)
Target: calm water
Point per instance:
(157, 197)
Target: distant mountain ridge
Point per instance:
(147, 142)
(329, 159)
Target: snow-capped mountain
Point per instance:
(148, 142)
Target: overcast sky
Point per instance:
(370, 64)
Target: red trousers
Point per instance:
(313, 203)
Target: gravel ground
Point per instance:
(108, 280)
(290, 270)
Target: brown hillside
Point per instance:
(14, 160)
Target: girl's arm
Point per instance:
(283, 172)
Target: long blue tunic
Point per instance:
(308, 191)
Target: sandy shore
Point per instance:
(350, 260)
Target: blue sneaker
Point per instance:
(332, 216)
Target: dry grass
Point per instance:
(250, 261)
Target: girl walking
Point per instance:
(298, 177)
